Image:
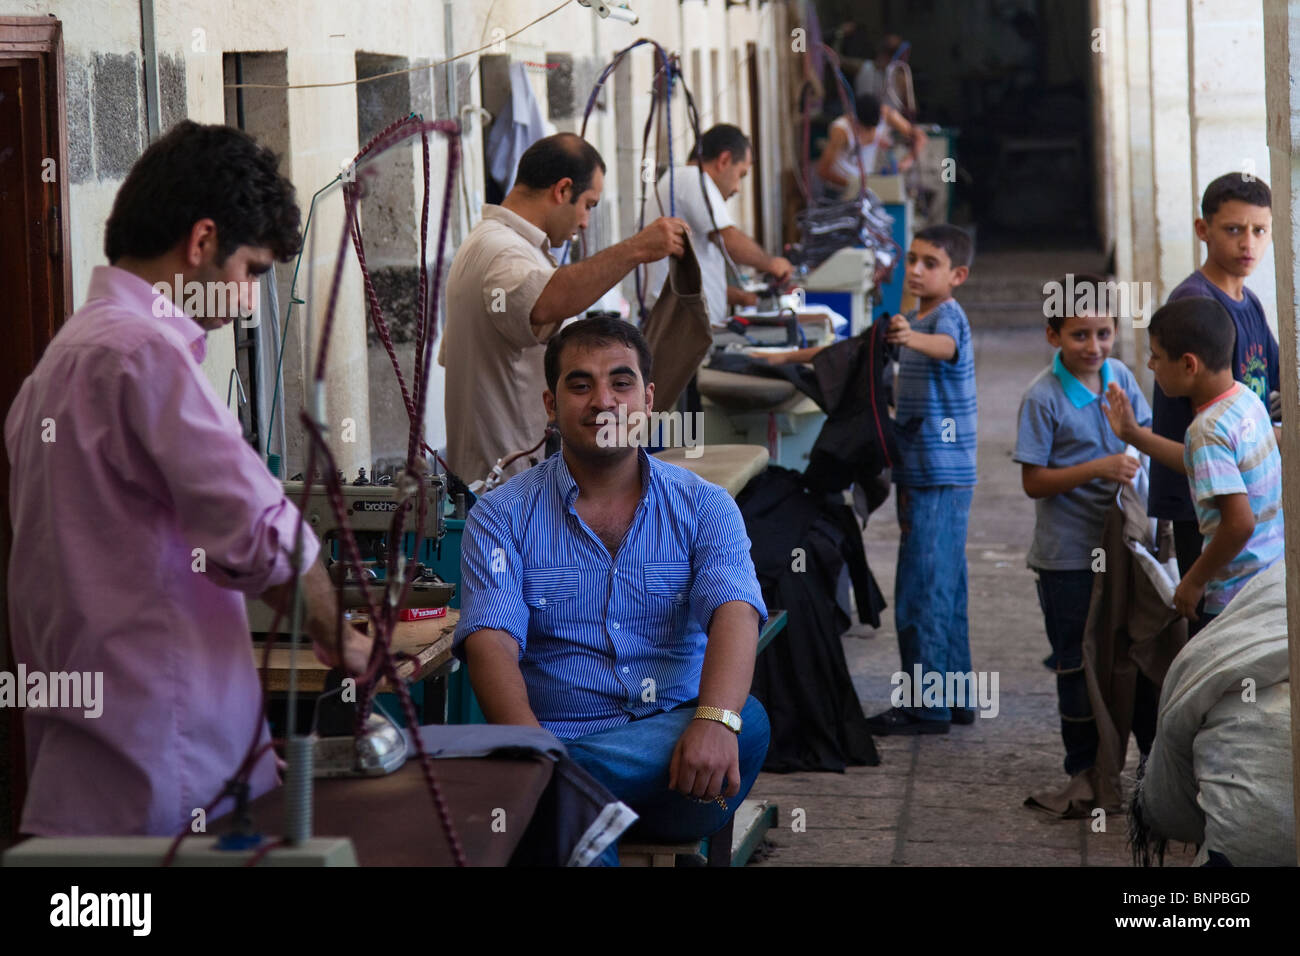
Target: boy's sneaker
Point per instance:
(896, 722)
(963, 715)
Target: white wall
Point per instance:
(321, 38)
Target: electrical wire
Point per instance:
(413, 69)
(400, 575)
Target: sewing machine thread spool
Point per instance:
(297, 789)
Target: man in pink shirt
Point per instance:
(142, 517)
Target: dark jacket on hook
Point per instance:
(847, 381)
(801, 541)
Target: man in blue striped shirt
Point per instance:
(610, 598)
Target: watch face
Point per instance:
(733, 721)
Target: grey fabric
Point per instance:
(481, 740)
(1219, 773)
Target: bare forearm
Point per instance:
(745, 250)
(319, 599)
(934, 345)
(1040, 481)
(493, 659)
(793, 355)
(575, 288)
(1164, 450)
(826, 168)
(729, 658)
(1229, 538)
(918, 143)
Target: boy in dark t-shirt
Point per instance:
(1236, 227)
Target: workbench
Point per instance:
(391, 820)
(428, 642)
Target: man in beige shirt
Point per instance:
(506, 297)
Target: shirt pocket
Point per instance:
(667, 596)
(549, 590)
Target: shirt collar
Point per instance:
(567, 487)
(1078, 393)
(135, 294)
(533, 235)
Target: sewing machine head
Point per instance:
(369, 509)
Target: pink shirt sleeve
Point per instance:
(227, 502)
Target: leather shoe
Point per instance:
(897, 722)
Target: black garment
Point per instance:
(802, 679)
(857, 441)
(575, 820)
(847, 381)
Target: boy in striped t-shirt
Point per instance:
(935, 478)
(1229, 453)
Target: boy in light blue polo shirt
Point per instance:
(1071, 461)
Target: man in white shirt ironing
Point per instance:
(725, 156)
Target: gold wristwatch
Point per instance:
(729, 718)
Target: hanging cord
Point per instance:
(401, 573)
(288, 313)
(383, 614)
(413, 69)
(848, 99)
(846, 94)
(693, 120)
(898, 66)
(666, 71)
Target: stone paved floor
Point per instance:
(956, 800)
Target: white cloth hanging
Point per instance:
(519, 124)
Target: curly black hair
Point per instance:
(203, 172)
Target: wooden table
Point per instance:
(391, 819)
(429, 642)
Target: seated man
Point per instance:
(610, 598)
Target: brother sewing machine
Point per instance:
(368, 509)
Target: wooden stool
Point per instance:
(733, 845)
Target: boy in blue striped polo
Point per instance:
(1229, 453)
(935, 428)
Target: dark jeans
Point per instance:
(1064, 597)
(632, 761)
(1188, 544)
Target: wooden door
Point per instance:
(35, 274)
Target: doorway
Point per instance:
(36, 274)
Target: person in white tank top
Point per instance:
(866, 131)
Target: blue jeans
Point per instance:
(1064, 597)
(930, 584)
(632, 762)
